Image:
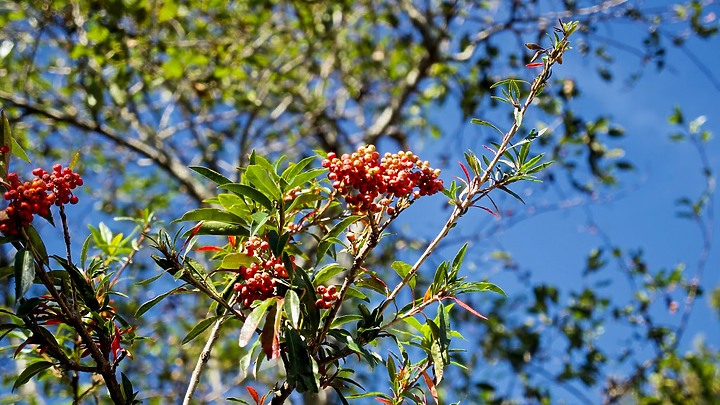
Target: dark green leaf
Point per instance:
(199, 328)
(219, 228)
(30, 372)
(24, 272)
(37, 243)
(264, 181)
(300, 371)
(250, 192)
(329, 239)
(83, 286)
(149, 304)
(210, 174)
(326, 273)
(211, 214)
(253, 321)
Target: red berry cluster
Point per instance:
(369, 183)
(35, 197)
(328, 295)
(260, 277)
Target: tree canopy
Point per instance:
(145, 90)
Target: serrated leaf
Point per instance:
(253, 321)
(24, 272)
(30, 372)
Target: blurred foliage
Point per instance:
(145, 89)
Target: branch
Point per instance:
(170, 164)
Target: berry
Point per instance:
(35, 197)
(260, 278)
(369, 183)
(328, 296)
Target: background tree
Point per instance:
(146, 89)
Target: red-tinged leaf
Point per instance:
(233, 240)
(465, 170)
(253, 321)
(495, 214)
(428, 295)
(431, 386)
(194, 232)
(208, 249)
(534, 65)
(466, 306)
(270, 337)
(253, 394)
(262, 400)
(384, 401)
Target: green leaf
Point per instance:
(37, 243)
(512, 193)
(300, 371)
(6, 271)
(24, 273)
(199, 328)
(235, 260)
(149, 304)
(250, 192)
(5, 140)
(402, 269)
(457, 261)
(83, 286)
(487, 124)
(295, 168)
(84, 251)
(305, 177)
(127, 388)
(508, 81)
(329, 239)
(263, 180)
(30, 372)
(292, 307)
(253, 321)
(219, 228)
(480, 286)
(343, 319)
(18, 151)
(326, 273)
(210, 174)
(211, 214)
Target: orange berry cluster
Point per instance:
(260, 277)
(369, 183)
(328, 295)
(35, 197)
